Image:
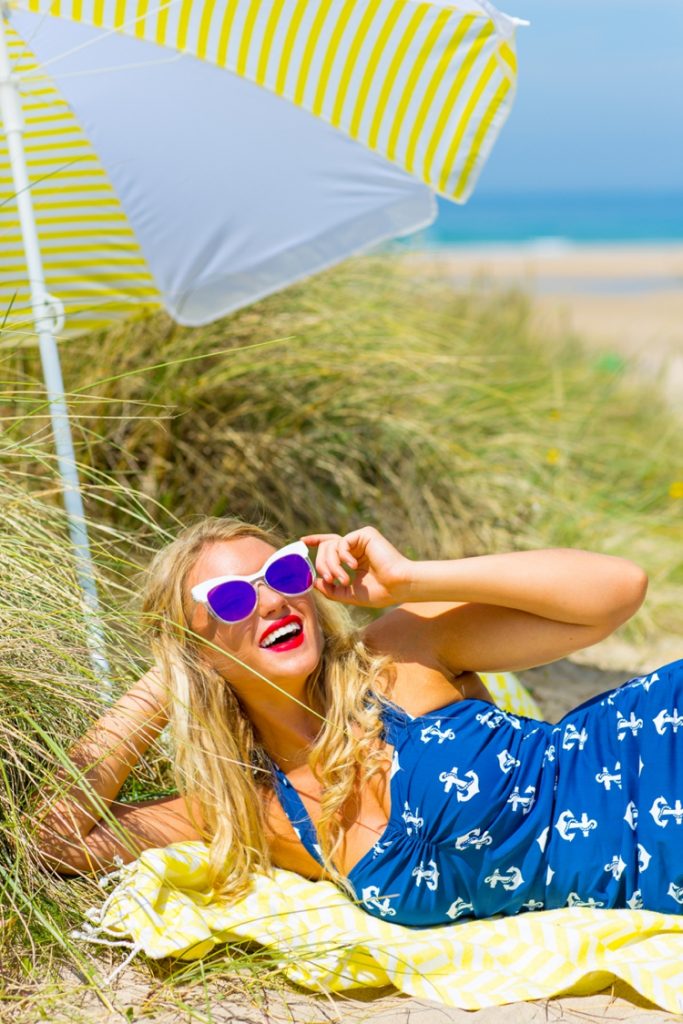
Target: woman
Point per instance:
(374, 757)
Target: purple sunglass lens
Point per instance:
(232, 601)
(289, 575)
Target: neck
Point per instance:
(286, 729)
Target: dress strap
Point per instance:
(299, 817)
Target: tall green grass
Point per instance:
(365, 395)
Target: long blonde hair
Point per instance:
(219, 762)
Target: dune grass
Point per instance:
(364, 395)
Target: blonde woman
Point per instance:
(374, 757)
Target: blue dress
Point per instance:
(492, 813)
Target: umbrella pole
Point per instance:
(49, 319)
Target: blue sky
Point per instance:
(599, 105)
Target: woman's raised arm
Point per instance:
(485, 613)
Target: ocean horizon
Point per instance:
(554, 220)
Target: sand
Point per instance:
(627, 300)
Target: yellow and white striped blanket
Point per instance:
(164, 906)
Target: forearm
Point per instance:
(558, 583)
(104, 756)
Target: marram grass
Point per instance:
(364, 395)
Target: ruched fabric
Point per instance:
(494, 813)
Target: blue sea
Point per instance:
(551, 219)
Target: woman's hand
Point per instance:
(380, 572)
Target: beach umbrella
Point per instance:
(196, 155)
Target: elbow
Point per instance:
(630, 592)
(62, 854)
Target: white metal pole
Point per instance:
(49, 319)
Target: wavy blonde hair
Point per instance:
(220, 765)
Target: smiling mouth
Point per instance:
(284, 638)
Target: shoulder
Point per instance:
(422, 680)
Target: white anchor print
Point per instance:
(635, 901)
(543, 838)
(380, 847)
(533, 905)
(568, 825)
(458, 908)
(548, 755)
(475, 838)
(631, 815)
(435, 730)
(667, 718)
(370, 897)
(607, 778)
(616, 866)
(411, 820)
(661, 811)
(430, 874)
(463, 790)
(510, 881)
(644, 681)
(507, 762)
(494, 719)
(526, 801)
(574, 900)
(624, 724)
(572, 736)
(676, 892)
(644, 858)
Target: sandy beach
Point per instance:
(625, 299)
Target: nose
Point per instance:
(269, 601)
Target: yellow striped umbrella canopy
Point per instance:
(198, 154)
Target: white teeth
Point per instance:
(292, 628)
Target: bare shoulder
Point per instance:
(409, 634)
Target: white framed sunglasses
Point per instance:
(289, 571)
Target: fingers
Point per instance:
(333, 550)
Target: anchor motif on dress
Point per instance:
(474, 838)
(463, 790)
(574, 900)
(509, 881)
(371, 899)
(506, 761)
(662, 810)
(494, 719)
(435, 730)
(526, 802)
(644, 858)
(430, 874)
(676, 892)
(380, 846)
(533, 905)
(411, 819)
(458, 908)
(572, 736)
(616, 866)
(666, 718)
(631, 815)
(607, 778)
(624, 724)
(635, 902)
(568, 825)
(548, 754)
(644, 681)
